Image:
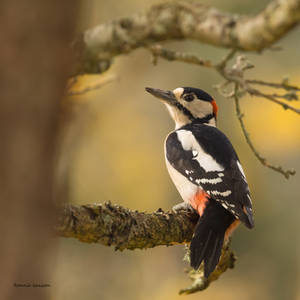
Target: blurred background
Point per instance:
(115, 138)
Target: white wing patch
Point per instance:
(228, 206)
(249, 198)
(189, 143)
(244, 177)
(224, 194)
(195, 153)
(187, 172)
(211, 181)
(241, 169)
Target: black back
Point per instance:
(217, 145)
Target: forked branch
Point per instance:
(263, 160)
(235, 75)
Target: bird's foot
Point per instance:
(182, 206)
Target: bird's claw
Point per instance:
(183, 206)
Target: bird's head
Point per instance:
(186, 105)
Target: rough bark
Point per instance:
(184, 20)
(113, 225)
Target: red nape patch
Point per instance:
(215, 107)
(199, 201)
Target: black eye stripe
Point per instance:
(188, 97)
(200, 94)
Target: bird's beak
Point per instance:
(165, 96)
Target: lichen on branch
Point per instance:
(184, 20)
(114, 225)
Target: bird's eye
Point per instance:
(188, 97)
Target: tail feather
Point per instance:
(211, 263)
(208, 238)
(198, 248)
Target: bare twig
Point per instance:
(159, 51)
(283, 85)
(235, 75)
(263, 160)
(292, 96)
(223, 63)
(257, 93)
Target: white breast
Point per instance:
(186, 189)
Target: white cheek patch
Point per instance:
(189, 143)
(199, 108)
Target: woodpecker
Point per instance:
(206, 171)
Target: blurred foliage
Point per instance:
(119, 157)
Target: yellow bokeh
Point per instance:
(272, 127)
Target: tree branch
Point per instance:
(184, 20)
(113, 225)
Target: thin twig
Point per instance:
(282, 85)
(235, 75)
(292, 96)
(222, 64)
(257, 93)
(170, 55)
(263, 160)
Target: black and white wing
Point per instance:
(204, 157)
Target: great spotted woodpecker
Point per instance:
(206, 171)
